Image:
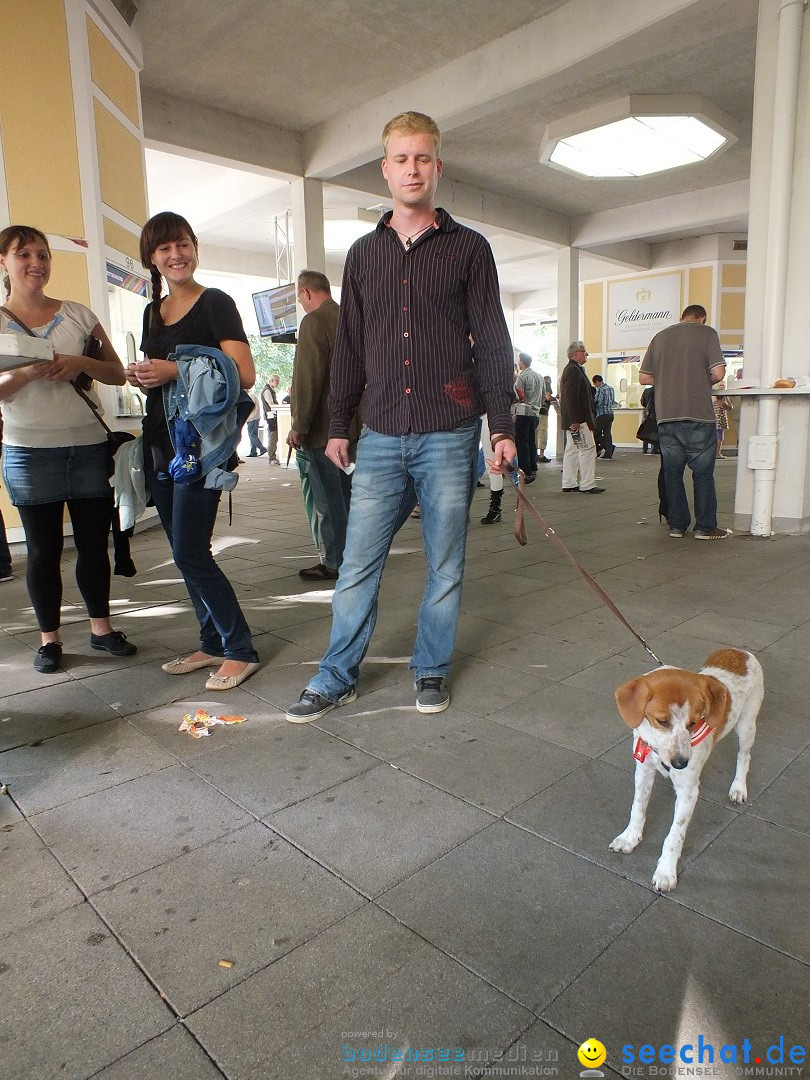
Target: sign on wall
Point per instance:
(638, 309)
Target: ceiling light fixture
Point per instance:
(637, 136)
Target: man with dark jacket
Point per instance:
(576, 417)
(331, 487)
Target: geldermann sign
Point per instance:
(638, 309)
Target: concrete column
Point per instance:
(307, 211)
(567, 312)
(778, 314)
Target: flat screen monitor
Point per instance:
(276, 313)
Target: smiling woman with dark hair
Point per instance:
(190, 315)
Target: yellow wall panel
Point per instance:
(732, 311)
(69, 280)
(733, 275)
(36, 118)
(122, 240)
(120, 166)
(701, 280)
(593, 317)
(625, 426)
(112, 74)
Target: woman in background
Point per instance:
(54, 449)
(190, 314)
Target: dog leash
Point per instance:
(520, 536)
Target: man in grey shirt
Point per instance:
(683, 362)
(529, 389)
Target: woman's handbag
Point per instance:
(647, 429)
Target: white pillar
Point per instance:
(777, 317)
(567, 313)
(307, 212)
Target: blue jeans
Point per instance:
(440, 467)
(331, 491)
(256, 443)
(188, 513)
(692, 443)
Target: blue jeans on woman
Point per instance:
(188, 513)
(440, 467)
(692, 443)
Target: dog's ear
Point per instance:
(716, 700)
(631, 699)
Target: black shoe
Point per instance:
(531, 477)
(492, 517)
(115, 643)
(125, 568)
(311, 706)
(544, 460)
(262, 451)
(49, 658)
(251, 454)
(432, 694)
(571, 489)
(591, 491)
(321, 572)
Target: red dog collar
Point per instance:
(642, 748)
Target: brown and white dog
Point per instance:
(678, 716)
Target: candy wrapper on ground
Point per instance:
(199, 725)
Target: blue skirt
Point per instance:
(47, 474)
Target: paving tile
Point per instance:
(248, 897)
(489, 765)
(719, 985)
(112, 835)
(281, 764)
(132, 690)
(718, 884)
(568, 716)
(481, 687)
(162, 723)
(787, 801)
(382, 978)
(507, 886)
(55, 709)
(64, 985)
(173, 1054)
(379, 827)
(747, 633)
(35, 886)
(603, 796)
(59, 770)
(386, 722)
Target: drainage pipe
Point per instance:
(785, 103)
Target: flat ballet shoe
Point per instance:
(181, 666)
(228, 682)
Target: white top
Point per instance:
(52, 413)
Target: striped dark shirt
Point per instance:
(406, 317)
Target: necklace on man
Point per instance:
(414, 236)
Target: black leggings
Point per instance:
(44, 538)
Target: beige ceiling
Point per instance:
(287, 86)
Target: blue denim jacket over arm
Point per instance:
(208, 393)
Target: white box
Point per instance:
(19, 350)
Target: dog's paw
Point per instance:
(626, 841)
(738, 793)
(665, 877)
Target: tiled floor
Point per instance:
(389, 880)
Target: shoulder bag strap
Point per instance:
(90, 404)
